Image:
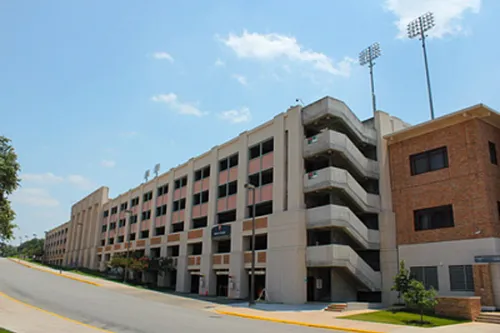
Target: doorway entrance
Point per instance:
(222, 285)
(195, 284)
(260, 285)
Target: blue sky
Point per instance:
(95, 92)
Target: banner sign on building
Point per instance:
(221, 231)
(487, 259)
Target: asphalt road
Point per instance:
(122, 312)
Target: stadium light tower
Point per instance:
(418, 28)
(367, 57)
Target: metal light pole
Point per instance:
(367, 57)
(127, 212)
(252, 278)
(418, 28)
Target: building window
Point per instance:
(162, 190)
(133, 219)
(121, 223)
(434, 218)
(181, 182)
(123, 206)
(111, 241)
(227, 216)
(261, 149)
(112, 226)
(493, 152)
(147, 196)
(179, 205)
(178, 227)
(200, 198)
(144, 234)
(114, 210)
(103, 242)
(461, 278)
(202, 173)
(162, 210)
(146, 215)
(134, 202)
(228, 162)
(428, 275)
(201, 222)
(228, 189)
(261, 209)
(261, 178)
(132, 237)
(428, 161)
(106, 213)
(121, 239)
(104, 228)
(160, 231)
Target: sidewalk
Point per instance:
(330, 320)
(22, 318)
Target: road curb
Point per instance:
(293, 322)
(54, 273)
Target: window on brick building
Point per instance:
(433, 218)
(147, 196)
(493, 152)
(134, 202)
(181, 182)
(162, 190)
(461, 278)
(261, 148)
(428, 275)
(428, 161)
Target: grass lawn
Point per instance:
(403, 318)
(3, 330)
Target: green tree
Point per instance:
(401, 280)
(9, 181)
(418, 297)
(32, 248)
(7, 250)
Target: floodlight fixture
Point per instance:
(367, 57)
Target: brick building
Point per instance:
(445, 181)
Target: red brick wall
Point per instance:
(459, 307)
(470, 183)
(483, 286)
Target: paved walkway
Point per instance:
(326, 319)
(21, 318)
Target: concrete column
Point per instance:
(279, 162)
(241, 205)
(183, 276)
(153, 210)
(213, 188)
(170, 201)
(389, 265)
(296, 171)
(210, 283)
(189, 195)
(238, 274)
(286, 271)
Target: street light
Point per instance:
(128, 245)
(418, 28)
(251, 302)
(367, 57)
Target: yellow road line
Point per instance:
(54, 314)
(54, 273)
(293, 322)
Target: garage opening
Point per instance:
(222, 283)
(195, 283)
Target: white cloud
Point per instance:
(49, 179)
(236, 116)
(80, 181)
(219, 63)
(37, 197)
(108, 163)
(180, 107)
(274, 46)
(241, 79)
(163, 56)
(41, 178)
(448, 14)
